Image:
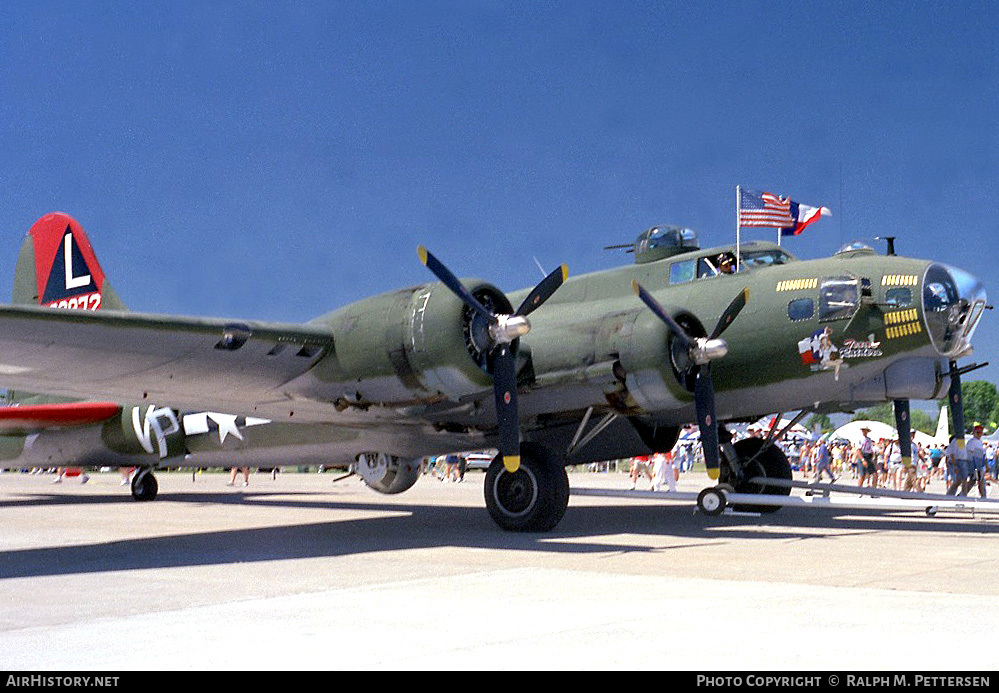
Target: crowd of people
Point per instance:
(867, 463)
(880, 464)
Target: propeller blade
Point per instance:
(731, 313)
(956, 404)
(653, 305)
(505, 391)
(451, 282)
(704, 401)
(543, 291)
(904, 428)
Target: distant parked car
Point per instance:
(479, 460)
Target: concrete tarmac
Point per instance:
(300, 573)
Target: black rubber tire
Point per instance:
(772, 464)
(144, 486)
(711, 501)
(532, 499)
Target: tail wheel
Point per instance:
(771, 463)
(531, 499)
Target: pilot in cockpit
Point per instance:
(726, 263)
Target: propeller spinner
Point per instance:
(503, 331)
(701, 351)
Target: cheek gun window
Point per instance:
(838, 298)
(801, 309)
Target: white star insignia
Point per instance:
(227, 425)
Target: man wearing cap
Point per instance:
(867, 467)
(957, 467)
(976, 460)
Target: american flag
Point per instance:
(765, 209)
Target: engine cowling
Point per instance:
(416, 344)
(387, 474)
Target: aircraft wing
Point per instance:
(196, 363)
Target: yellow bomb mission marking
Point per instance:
(899, 280)
(797, 284)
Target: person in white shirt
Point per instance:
(664, 476)
(976, 460)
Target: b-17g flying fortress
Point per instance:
(577, 369)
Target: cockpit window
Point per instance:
(681, 272)
(706, 268)
(764, 258)
(838, 297)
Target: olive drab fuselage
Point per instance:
(830, 334)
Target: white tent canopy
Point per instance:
(851, 432)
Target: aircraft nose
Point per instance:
(953, 301)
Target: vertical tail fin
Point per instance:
(57, 267)
(943, 428)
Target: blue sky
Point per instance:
(277, 160)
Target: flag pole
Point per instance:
(738, 226)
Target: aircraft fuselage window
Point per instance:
(898, 296)
(838, 298)
(681, 272)
(801, 309)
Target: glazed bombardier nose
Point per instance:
(953, 301)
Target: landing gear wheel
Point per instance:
(711, 501)
(532, 499)
(771, 464)
(144, 485)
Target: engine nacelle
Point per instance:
(387, 473)
(416, 344)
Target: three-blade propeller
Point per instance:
(701, 351)
(503, 331)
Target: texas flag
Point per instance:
(808, 348)
(803, 215)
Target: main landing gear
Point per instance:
(144, 485)
(532, 499)
(755, 460)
